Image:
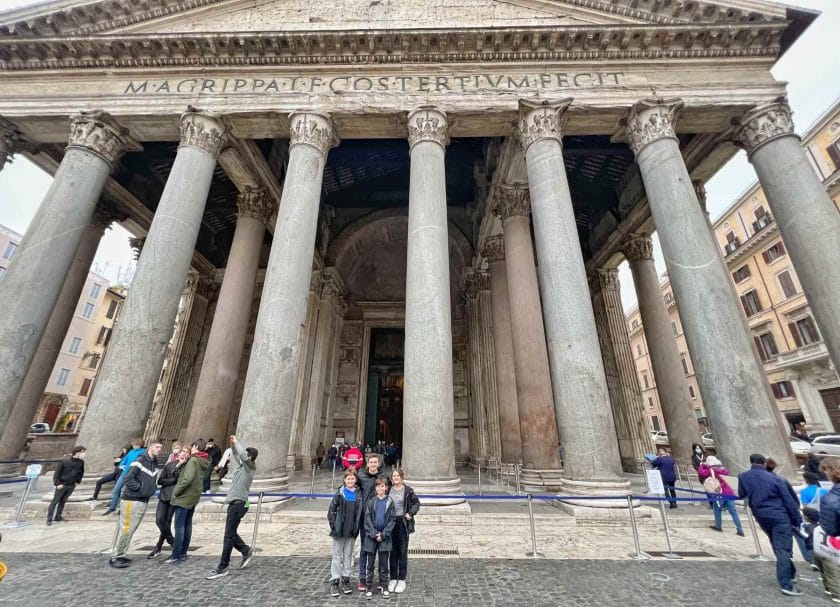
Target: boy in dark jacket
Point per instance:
(366, 482)
(139, 485)
(67, 475)
(345, 518)
(185, 497)
(166, 480)
(379, 520)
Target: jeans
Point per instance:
(399, 551)
(237, 509)
(108, 478)
(384, 558)
(807, 556)
(60, 498)
(719, 505)
(115, 494)
(163, 519)
(780, 533)
(183, 531)
(342, 557)
(671, 493)
(363, 556)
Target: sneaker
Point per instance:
(346, 588)
(49, 522)
(172, 560)
(740, 532)
(392, 585)
(214, 573)
(60, 519)
(108, 511)
(716, 528)
(814, 567)
(385, 593)
(792, 591)
(118, 564)
(361, 587)
(124, 559)
(334, 591)
(246, 558)
(154, 553)
(368, 594)
(400, 587)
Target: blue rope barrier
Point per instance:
(14, 480)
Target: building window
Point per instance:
(654, 421)
(650, 402)
(95, 289)
(645, 381)
(639, 349)
(741, 274)
(674, 328)
(762, 219)
(751, 303)
(766, 344)
(85, 389)
(773, 253)
(102, 339)
(804, 331)
(732, 242)
(691, 393)
(10, 250)
(786, 282)
(783, 389)
(834, 153)
(75, 344)
(112, 309)
(684, 364)
(2, 271)
(88, 311)
(94, 360)
(63, 376)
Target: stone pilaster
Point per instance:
(537, 419)
(211, 408)
(806, 216)
(270, 385)
(122, 398)
(741, 413)
(50, 245)
(581, 399)
(509, 432)
(428, 399)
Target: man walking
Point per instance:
(237, 501)
(319, 454)
(67, 475)
(367, 483)
(185, 496)
(667, 469)
(215, 455)
(139, 485)
(136, 450)
(777, 513)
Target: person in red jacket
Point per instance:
(713, 471)
(353, 458)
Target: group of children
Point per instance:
(384, 520)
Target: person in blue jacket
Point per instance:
(667, 468)
(137, 449)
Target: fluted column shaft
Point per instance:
(581, 399)
(537, 420)
(211, 407)
(36, 275)
(272, 379)
(742, 414)
(428, 406)
(488, 367)
(122, 397)
(806, 216)
(509, 431)
(478, 414)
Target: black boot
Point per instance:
(334, 591)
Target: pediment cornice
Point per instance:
(509, 44)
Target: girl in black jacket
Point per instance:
(406, 507)
(345, 518)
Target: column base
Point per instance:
(294, 462)
(274, 484)
(429, 488)
(9, 471)
(599, 508)
(541, 481)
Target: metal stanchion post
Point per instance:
(312, 484)
(257, 522)
(17, 520)
(670, 554)
(333, 476)
(639, 555)
(479, 478)
(533, 554)
(516, 470)
(759, 556)
(690, 484)
(644, 474)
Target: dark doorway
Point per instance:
(383, 409)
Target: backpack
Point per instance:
(712, 484)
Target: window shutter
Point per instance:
(771, 345)
(760, 212)
(794, 331)
(780, 247)
(766, 256)
(834, 153)
(791, 391)
(787, 284)
(760, 347)
(745, 305)
(776, 391)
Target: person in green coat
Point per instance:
(185, 496)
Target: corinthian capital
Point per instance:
(512, 200)
(605, 279)
(105, 215)
(651, 120)
(638, 247)
(427, 124)
(763, 124)
(99, 133)
(9, 139)
(202, 130)
(256, 203)
(313, 129)
(541, 120)
(494, 248)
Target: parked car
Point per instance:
(659, 437)
(39, 428)
(826, 445)
(799, 447)
(708, 440)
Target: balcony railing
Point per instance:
(762, 222)
(816, 350)
(732, 246)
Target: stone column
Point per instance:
(478, 413)
(428, 405)
(511, 441)
(9, 139)
(537, 419)
(806, 216)
(631, 423)
(31, 286)
(738, 401)
(122, 398)
(220, 368)
(581, 399)
(43, 362)
(677, 410)
(271, 382)
(488, 365)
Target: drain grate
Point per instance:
(685, 553)
(433, 551)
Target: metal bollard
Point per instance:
(312, 484)
(639, 555)
(670, 554)
(759, 556)
(17, 521)
(479, 479)
(516, 470)
(533, 554)
(257, 522)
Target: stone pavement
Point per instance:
(40, 580)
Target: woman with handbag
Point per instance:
(826, 541)
(720, 493)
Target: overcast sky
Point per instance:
(811, 68)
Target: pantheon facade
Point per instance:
(401, 221)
